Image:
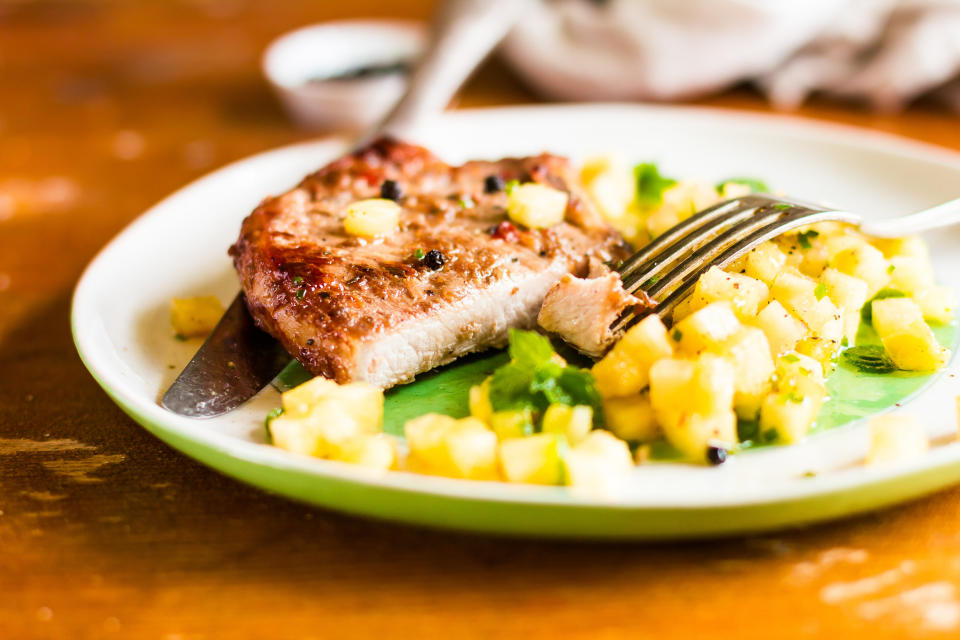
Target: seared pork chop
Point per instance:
(452, 279)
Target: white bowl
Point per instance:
(296, 63)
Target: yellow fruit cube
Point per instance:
(372, 217)
(361, 400)
(745, 294)
(631, 418)
(534, 460)
(749, 352)
(906, 337)
(195, 317)
(599, 465)
(704, 385)
(296, 435)
(693, 433)
(572, 422)
(625, 369)
(782, 329)
(786, 417)
(463, 448)
(937, 303)
(479, 401)
(862, 261)
(536, 206)
(513, 423)
(706, 328)
(610, 184)
(299, 400)
(374, 451)
(910, 274)
(849, 294)
(807, 300)
(820, 349)
(907, 246)
(895, 437)
(765, 262)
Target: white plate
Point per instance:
(178, 248)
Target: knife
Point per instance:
(238, 359)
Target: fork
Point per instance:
(666, 269)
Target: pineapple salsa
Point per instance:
(743, 361)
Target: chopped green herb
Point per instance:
(677, 335)
(844, 342)
(418, 254)
(533, 379)
(791, 357)
(650, 282)
(792, 396)
(466, 202)
(271, 416)
(820, 291)
(781, 206)
(891, 268)
(650, 184)
(804, 238)
(300, 293)
(756, 186)
(866, 312)
(510, 184)
(869, 358)
(770, 435)
(298, 280)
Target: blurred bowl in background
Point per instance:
(343, 75)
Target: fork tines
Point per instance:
(667, 269)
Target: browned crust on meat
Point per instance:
(322, 292)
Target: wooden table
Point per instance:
(105, 532)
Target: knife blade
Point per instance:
(234, 363)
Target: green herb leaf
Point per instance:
(781, 206)
(756, 186)
(271, 416)
(649, 282)
(770, 435)
(677, 335)
(510, 184)
(418, 254)
(300, 293)
(866, 312)
(844, 342)
(791, 357)
(869, 358)
(804, 238)
(298, 280)
(650, 184)
(820, 291)
(891, 268)
(466, 202)
(529, 348)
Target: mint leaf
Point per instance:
(528, 348)
(804, 238)
(650, 184)
(869, 358)
(820, 291)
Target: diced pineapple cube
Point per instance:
(372, 217)
(907, 246)
(849, 294)
(865, 262)
(788, 416)
(802, 297)
(685, 307)
(783, 331)
(538, 459)
(573, 422)
(479, 401)
(296, 435)
(706, 328)
(822, 350)
(800, 374)
(610, 184)
(361, 400)
(536, 206)
(937, 303)
(704, 385)
(906, 337)
(693, 433)
(441, 445)
(765, 262)
(195, 317)
(514, 423)
(895, 437)
(374, 451)
(910, 274)
(749, 352)
(625, 370)
(631, 418)
(745, 294)
(598, 465)
(815, 257)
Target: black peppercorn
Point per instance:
(716, 455)
(434, 259)
(390, 190)
(493, 184)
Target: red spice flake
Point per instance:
(505, 231)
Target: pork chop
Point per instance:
(453, 278)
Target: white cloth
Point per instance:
(886, 52)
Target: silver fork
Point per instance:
(666, 269)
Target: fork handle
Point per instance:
(936, 217)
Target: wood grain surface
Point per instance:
(105, 107)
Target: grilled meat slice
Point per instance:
(350, 308)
